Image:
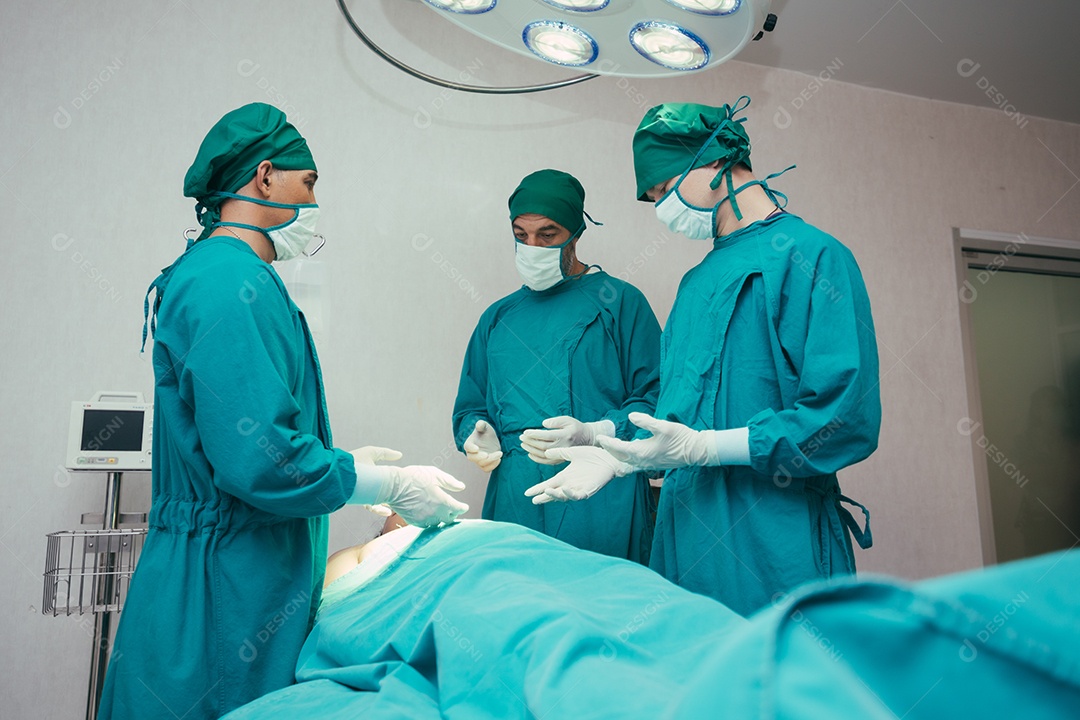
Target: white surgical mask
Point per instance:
(540, 268)
(292, 238)
(694, 222)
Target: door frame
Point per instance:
(996, 252)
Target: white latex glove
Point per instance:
(672, 445)
(563, 431)
(369, 455)
(590, 469)
(483, 448)
(416, 492)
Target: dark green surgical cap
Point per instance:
(232, 150)
(553, 194)
(671, 135)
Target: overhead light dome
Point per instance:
(466, 7)
(671, 46)
(708, 7)
(579, 5)
(560, 43)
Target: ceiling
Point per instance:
(1020, 57)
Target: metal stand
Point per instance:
(99, 658)
(89, 571)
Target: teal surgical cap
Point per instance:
(553, 194)
(676, 137)
(232, 150)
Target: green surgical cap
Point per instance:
(553, 194)
(675, 137)
(232, 150)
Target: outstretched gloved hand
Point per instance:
(672, 445)
(418, 493)
(369, 455)
(563, 431)
(590, 469)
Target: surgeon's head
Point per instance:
(547, 216)
(255, 176)
(676, 138)
(689, 159)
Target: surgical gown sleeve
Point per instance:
(637, 334)
(825, 338)
(471, 402)
(247, 347)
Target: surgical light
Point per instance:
(560, 43)
(708, 7)
(579, 5)
(467, 7)
(625, 38)
(670, 46)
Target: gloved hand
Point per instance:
(672, 445)
(417, 492)
(563, 431)
(369, 455)
(483, 448)
(590, 469)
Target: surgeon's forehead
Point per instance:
(534, 221)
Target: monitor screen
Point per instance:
(112, 430)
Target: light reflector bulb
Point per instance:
(560, 43)
(579, 5)
(467, 7)
(669, 45)
(708, 7)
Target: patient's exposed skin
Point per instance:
(387, 541)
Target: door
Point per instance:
(1021, 306)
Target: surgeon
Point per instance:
(769, 382)
(560, 362)
(245, 470)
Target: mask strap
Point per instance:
(774, 195)
(257, 201)
(778, 198)
(590, 220)
(256, 228)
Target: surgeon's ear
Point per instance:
(264, 178)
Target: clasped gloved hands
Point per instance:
(482, 447)
(672, 445)
(590, 469)
(563, 431)
(416, 492)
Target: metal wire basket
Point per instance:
(89, 571)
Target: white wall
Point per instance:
(104, 107)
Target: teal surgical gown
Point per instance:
(244, 473)
(589, 348)
(771, 331)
